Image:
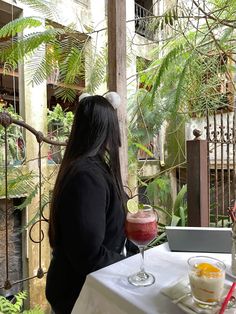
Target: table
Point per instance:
(107, 290)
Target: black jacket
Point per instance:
(90, 236)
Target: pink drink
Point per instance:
(141, 228)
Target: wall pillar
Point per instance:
(197, 182)
(117, 71)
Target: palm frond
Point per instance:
(19, 25)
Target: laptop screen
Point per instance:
(199, 239)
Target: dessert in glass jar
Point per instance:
(206, 278)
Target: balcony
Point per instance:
(144, 22)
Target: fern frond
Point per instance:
(14, 306)
(19, 297)
(19, 25)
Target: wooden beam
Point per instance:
(71, 86)
(197, 183)
(117, 71)
(10, 73)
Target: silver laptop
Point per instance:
(199, 239)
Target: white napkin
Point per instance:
(182, 289)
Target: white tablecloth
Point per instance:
(107, 290)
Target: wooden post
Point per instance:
(117, 71)
(197, 182)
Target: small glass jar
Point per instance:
(233, 252)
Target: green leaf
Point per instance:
(180, 198)
(161, 238)
(162, 210)
(14, 306)
(144, 148)
(182, 213)
(174, 220)
(19, 25)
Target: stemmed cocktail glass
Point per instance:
(141, 229)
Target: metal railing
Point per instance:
(143, 22)
(221, 139)
(211, 170)
(6, 120)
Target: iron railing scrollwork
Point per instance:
(143, 22)
(6, 120)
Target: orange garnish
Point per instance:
(211, 300)
(207, 270)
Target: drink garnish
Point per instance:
(132, 206)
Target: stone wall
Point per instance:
(14, 247)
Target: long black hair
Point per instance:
(95, 131)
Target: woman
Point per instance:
(86, 227)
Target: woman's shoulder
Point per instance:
(83, 165)
(89, 166)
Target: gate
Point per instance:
(221, 139)
(7, 282)
(211, 168)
